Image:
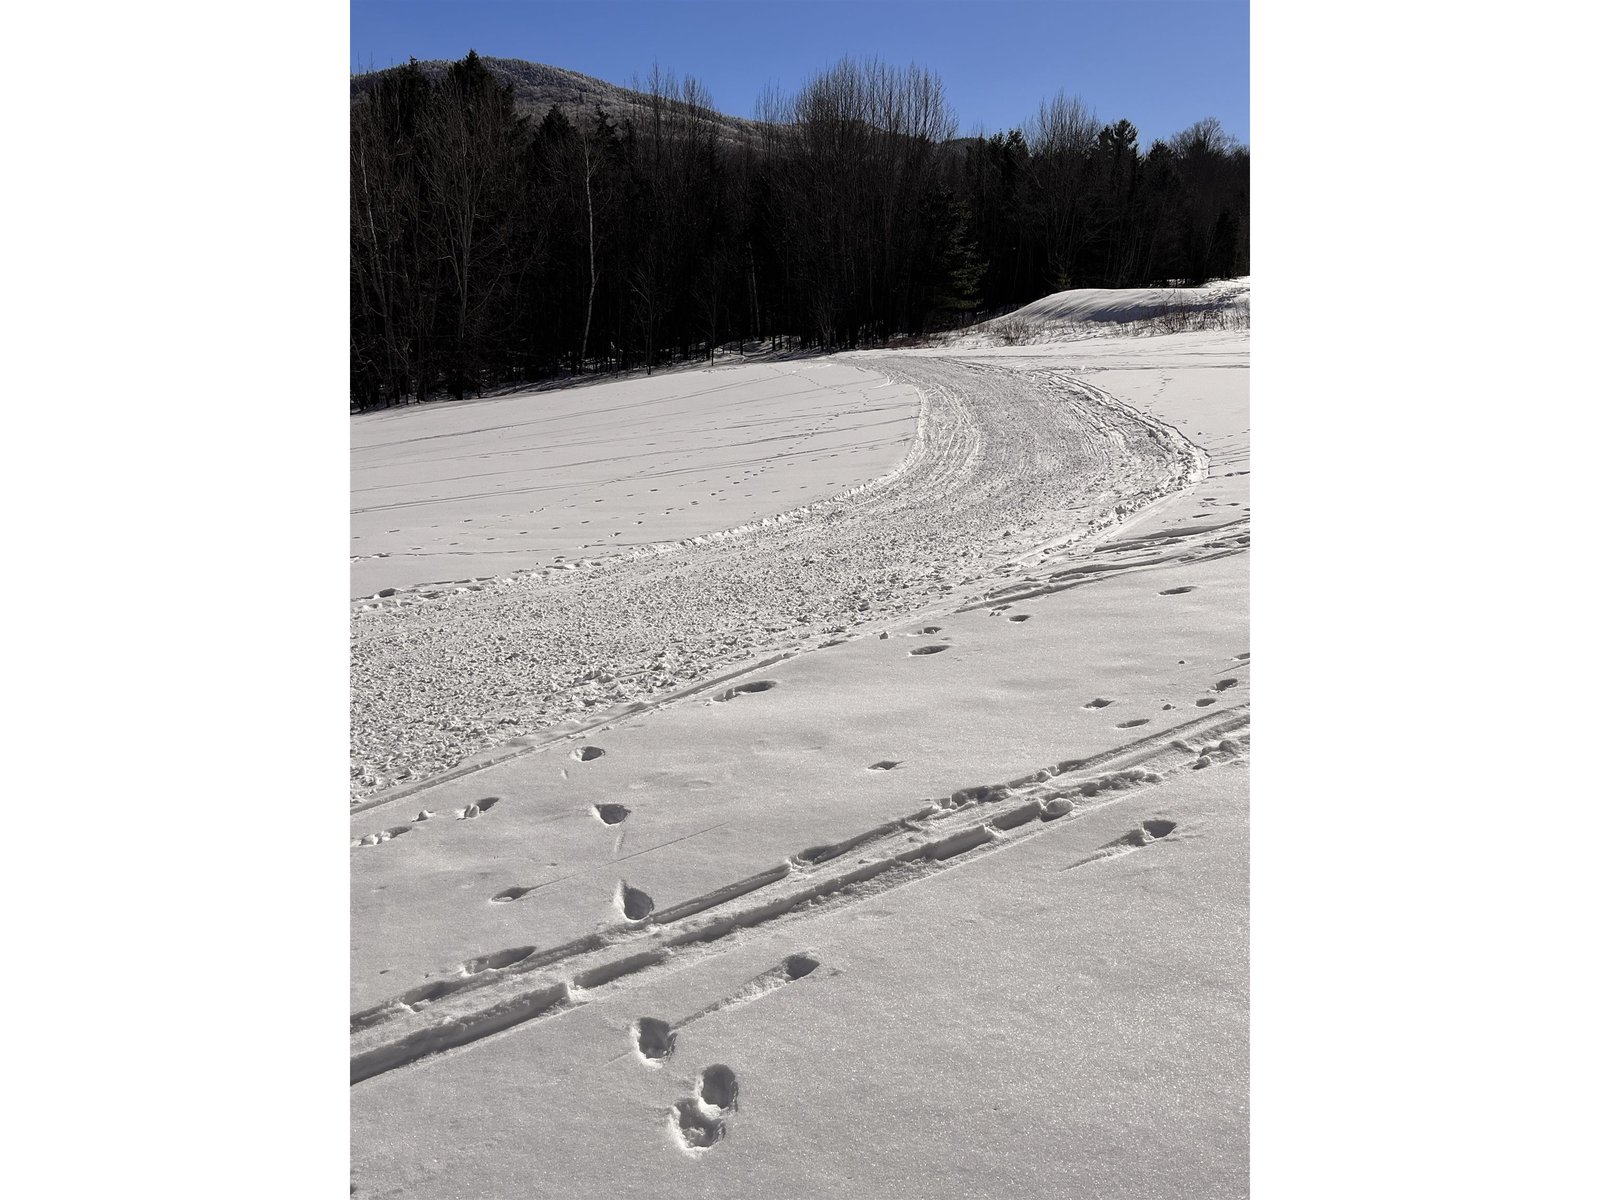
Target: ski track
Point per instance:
(1009, 471)
(496, 992)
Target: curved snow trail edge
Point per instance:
(1005, 464)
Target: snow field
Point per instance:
(866, 920)
(1001, 460)
(452, 493)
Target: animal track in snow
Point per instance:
(695, 1131)
(1100, 702)
(587, 753)
(654, 1039)
(718, 1089)
(887, 764)
(635, 904)
(510, 894)
(1143, 835)
(935, 649)
(1205, 702)
(385, 835)
(1135, 723)
(759, 685)
(698, 1122)
(1019, 617)
(1177, 591)
(1223, 685)
(477, 809)
(612, 814)
(798, 966)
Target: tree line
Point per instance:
(488, 248)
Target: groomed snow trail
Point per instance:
(1004, 463)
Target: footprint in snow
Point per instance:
(718, 1089)
(745, 689)
(385, 835)
(635, 904)
(654, 1040)
(700, 1121)
(695, 1130)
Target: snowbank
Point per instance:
(1128, 304)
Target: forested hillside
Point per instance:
(490, 246)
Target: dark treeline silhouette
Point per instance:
(488, 248)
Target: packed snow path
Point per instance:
(1005, 463)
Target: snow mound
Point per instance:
(1097, 312)
(1129, 304)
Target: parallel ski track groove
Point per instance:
(437, 1017)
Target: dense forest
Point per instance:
(487, 247)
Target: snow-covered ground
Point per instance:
(895, 847)
(1004, 461)
(453, 490)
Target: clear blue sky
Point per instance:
(1162, 64)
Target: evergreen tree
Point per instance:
(484, 248)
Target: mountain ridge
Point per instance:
(537, 87)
